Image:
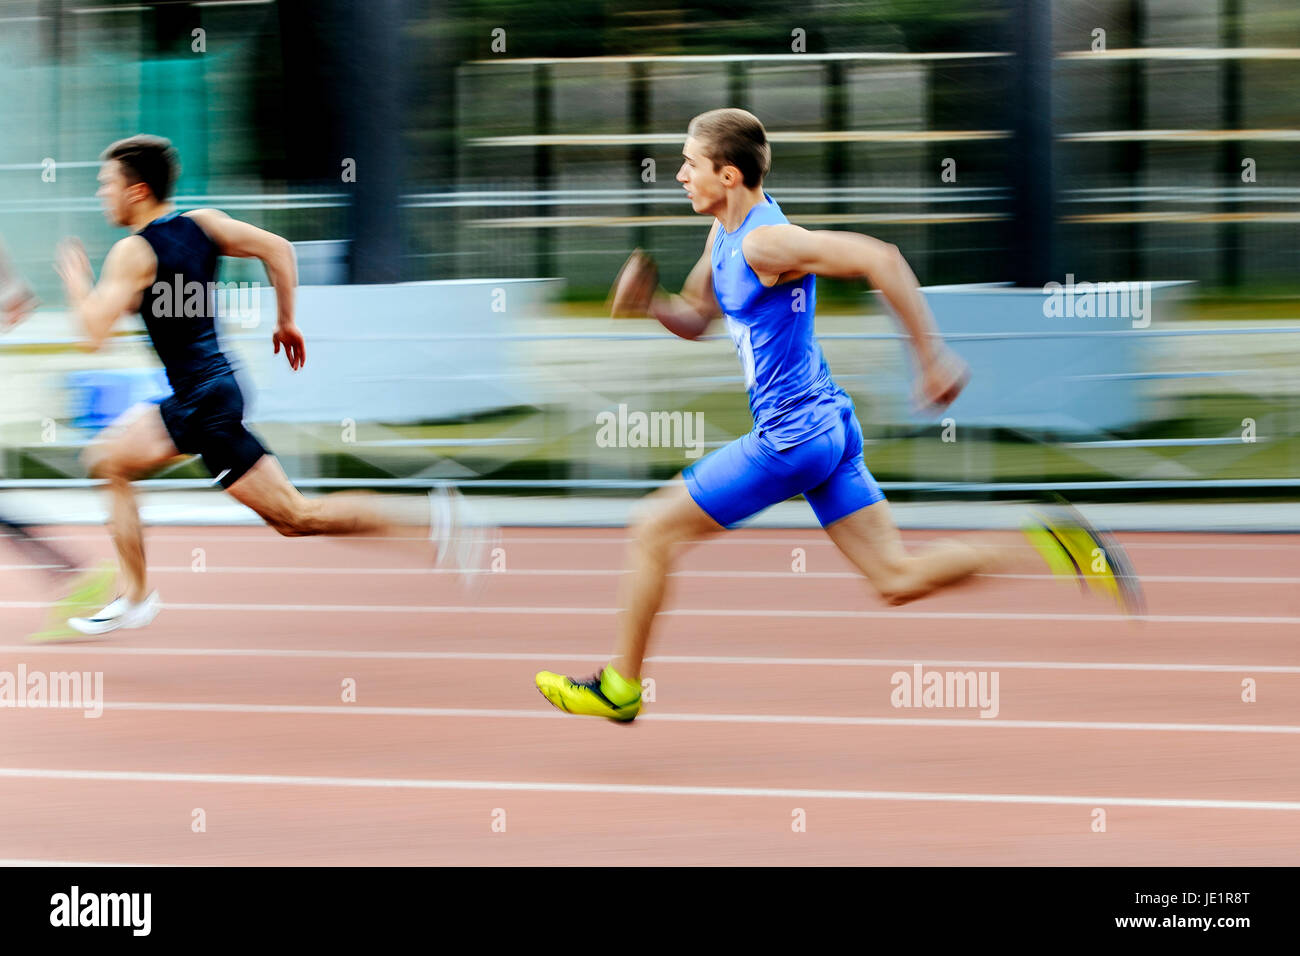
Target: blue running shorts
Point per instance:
(748, 475)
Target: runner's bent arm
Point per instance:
(688, 315)
(848, 255)
(775, 250)
(129, 268)
(246, 241)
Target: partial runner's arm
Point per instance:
(776, 250)
(688, 315)
(245, 241)
(16, 297)
(129, 268)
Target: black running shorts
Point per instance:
(208, 421)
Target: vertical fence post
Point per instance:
(737, 85)
(1031, 156)
(543, 103)
(1230, 150)
(1134, 151)
(836, 121)
(639, 120)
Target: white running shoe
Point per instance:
(121, 613)
(462, 538)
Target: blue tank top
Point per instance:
(791, 394)
(179, 308)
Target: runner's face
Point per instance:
(114, 193)
(704, 187)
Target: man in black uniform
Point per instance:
(167, 251)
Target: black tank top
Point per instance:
(179, 308)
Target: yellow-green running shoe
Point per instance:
(1074, 548)
(90, 591)
(585, 697)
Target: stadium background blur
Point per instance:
(1113, 157)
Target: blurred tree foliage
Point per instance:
(623, 27)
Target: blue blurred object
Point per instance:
(100, 395)
(1038, 372)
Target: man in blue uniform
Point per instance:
(758, 272)
(169, 251)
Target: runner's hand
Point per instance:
(19, 305)
(295, 346)
(73, 266)
(634, 287)
(942, 379)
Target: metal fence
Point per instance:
(576, 376)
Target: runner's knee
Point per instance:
(900, 583)
(653, 534)
(102, 462)
(94, 458)
(295, 521)
(288, 527)
(286, 521)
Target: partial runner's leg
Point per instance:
(721, 490)
(137, 444)
(266, 489)
(459, 537)
(671, 519)
(869, 538)
(852, 508)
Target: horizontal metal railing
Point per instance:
(986, 487)
(994, 200)
(14, 340)
(614, 484)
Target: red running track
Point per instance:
(773, 709)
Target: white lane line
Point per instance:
(355, 710)
(398, 783)
(613, 572)
(48, 863)
(94, 647)
(715, 612)
(803, 538)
